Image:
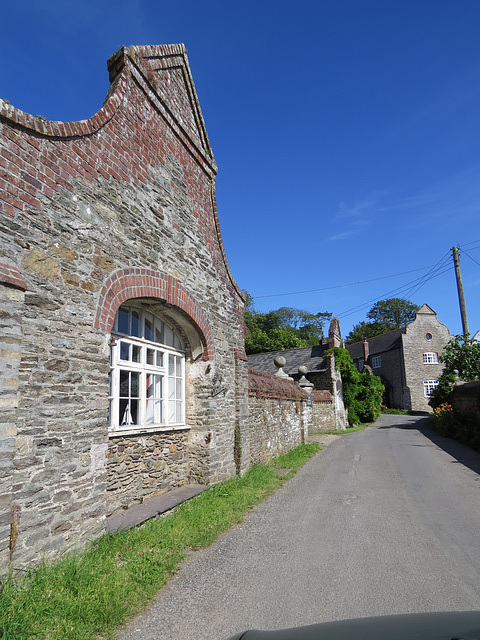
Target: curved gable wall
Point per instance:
(93, 213)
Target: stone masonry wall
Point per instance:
(94, 213)
(278, 416)
(392, 374)
(11, 306)
(415, 344)
(466, 400)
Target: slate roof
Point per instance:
(378, 344)
(311, 357)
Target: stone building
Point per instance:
(122, 363)
(406, 359)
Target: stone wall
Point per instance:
(12, 289)
(324, 414)
(94, 213)
(278, 416)
(466, 400)
(424, 334)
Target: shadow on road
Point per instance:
(460, 452)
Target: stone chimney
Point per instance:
(366, 350)
(334, 335)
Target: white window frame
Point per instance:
(376, 362)
(430, 357)
(429, 386)
(147, 376)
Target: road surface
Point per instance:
(382, 521)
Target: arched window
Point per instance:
(147, 373)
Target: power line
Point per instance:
(341, 286)
(469, 256)
(400, 290)
(443, 260)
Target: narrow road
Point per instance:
(382, 521)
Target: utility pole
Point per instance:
(461, 297)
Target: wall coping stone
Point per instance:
(264, 385)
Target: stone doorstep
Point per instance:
(140, 513)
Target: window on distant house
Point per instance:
(147, 373)
(430, 357)
(361, 363)
(428, 336)
(429, 386)
(376, 362)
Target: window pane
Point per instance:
(171, 411)
(159, 359)
(151, 356)
(135, 384)
(136, 328)
(136, 353)
(149, 331)
(158, 412)
(124, 412)
(179, 411)
(158, 331)
(122, 321)
(178, 389)
(124, 384)
(168, 337)
(124, 351)
(171, 365)
(134, 411)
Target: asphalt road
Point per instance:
(382, 521)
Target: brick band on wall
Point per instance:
(11, 276)
(128, 284)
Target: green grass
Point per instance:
(342, 432)
(88, 595)
(395, 412)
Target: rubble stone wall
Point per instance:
(93, 213)
(278, 416)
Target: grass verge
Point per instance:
(342, 432)
(88, 595)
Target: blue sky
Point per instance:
(346, 133)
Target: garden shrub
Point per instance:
(362, 392)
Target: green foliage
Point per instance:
(88, 595)
(447, 422)
(384, 316)
(463, 355)
(284, 328)
(362, 392)
(366, 330)
(396, 312)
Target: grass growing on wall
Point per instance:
(88, 595)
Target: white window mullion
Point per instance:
(146, 362)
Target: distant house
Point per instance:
(406, 359)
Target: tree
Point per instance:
(385, 315)
(366, 330)
(284, 328)
(395, 312)
(463, 355)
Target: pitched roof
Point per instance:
(378, 344)
(311, 357)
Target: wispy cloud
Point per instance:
(355, 217)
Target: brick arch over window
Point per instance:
(127, 284)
